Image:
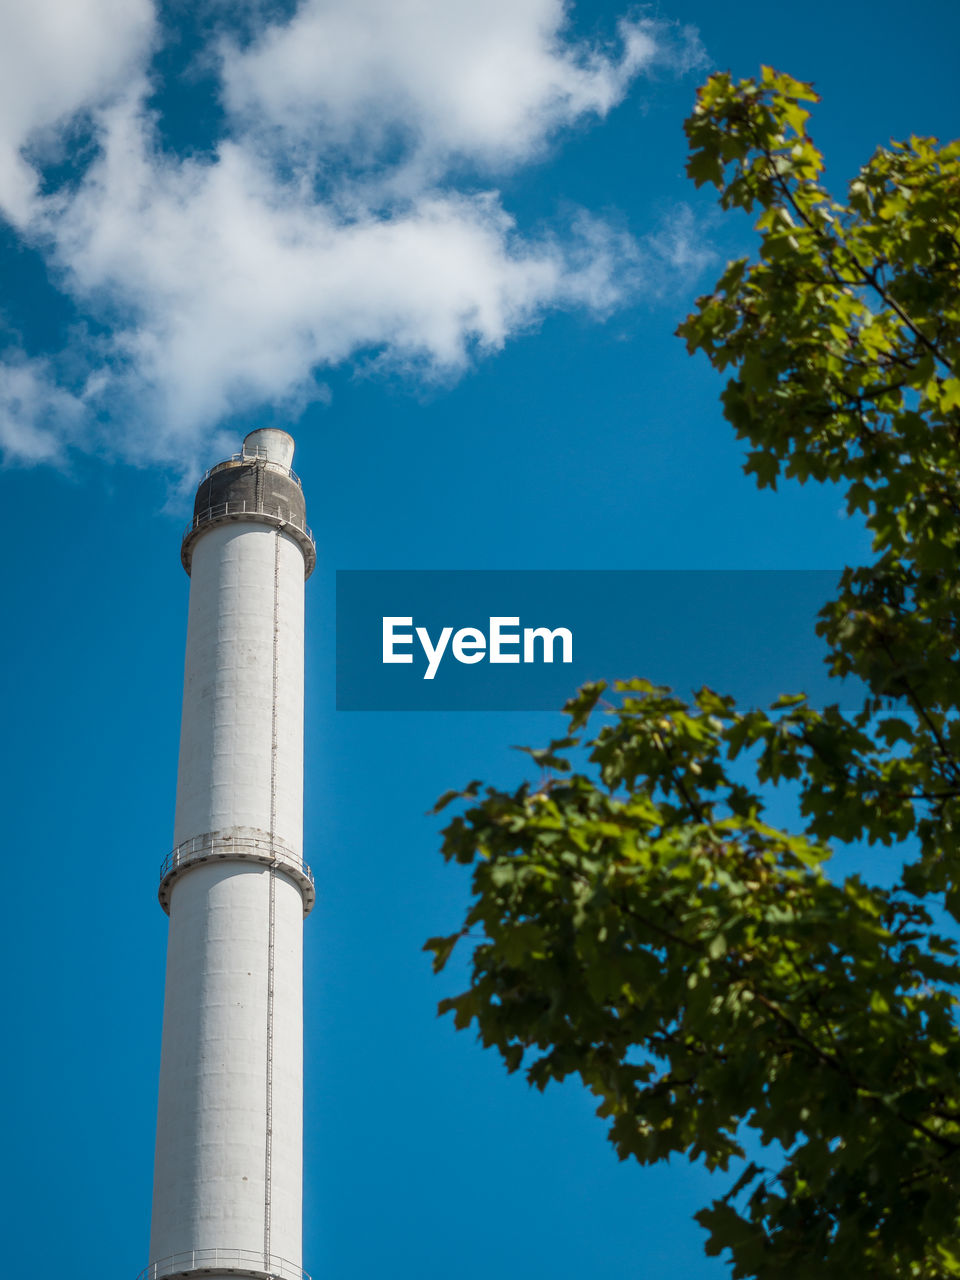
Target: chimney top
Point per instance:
(270, 443)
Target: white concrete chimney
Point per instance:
(227, 1197)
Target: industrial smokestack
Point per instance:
(227, 1196)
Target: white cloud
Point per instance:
(439, 79)
(232, 281)
(38, 418)
(235, 288)
(59, 57)
(679, 250)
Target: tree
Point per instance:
(641, 925)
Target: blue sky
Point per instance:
(449, 251)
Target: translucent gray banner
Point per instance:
(478, 640)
